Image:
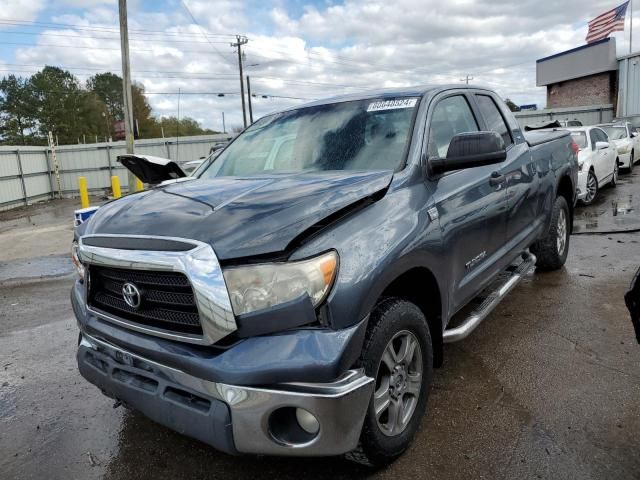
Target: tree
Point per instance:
(16, 110)
(56, 96)
(512, 106)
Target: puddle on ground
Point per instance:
(622, 208)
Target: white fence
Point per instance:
(27, 173)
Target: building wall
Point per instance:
(629, 91)
(596, 89)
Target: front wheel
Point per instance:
(552, 249)
(592, 188)
(614, 178)
(631, 161)
(398, 353)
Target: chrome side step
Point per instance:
(512, 276)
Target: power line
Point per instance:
(114, 29)
(86, 47)
(114, 38)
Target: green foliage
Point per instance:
(512, 106)
(54, 100)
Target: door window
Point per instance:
(495, 120)
(451, 116)
(594, 138)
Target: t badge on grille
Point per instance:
(131, 295)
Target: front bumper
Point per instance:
(582, 183)
(624, 160)
(231, 418)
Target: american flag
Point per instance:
(610, 21)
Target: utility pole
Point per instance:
(224, 127)
(126, 85)
(249, 97)
(241, 40)
(466, 79)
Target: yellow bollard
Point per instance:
(115, 186)
(139, 185)
(84, 192)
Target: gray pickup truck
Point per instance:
(293, 296)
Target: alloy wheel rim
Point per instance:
(591, 187)
(562, 232)
(398, 383)
(615, 173)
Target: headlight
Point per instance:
(76, 260)
(623, 148)
(255, 287)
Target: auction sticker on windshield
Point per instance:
(392, 104)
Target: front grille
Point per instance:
(167, 301)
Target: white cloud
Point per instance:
(358, 45)
(24, 10)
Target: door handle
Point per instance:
(496, 179)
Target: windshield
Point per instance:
(580, 138)
(359, 135)
(616, 133)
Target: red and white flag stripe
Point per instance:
(606, 23)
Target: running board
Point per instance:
(496, 292)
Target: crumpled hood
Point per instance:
(239, 216)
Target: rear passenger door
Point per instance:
(470, 205)
(520, 180)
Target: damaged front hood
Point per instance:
(239, 216)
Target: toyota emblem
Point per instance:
(131, 295)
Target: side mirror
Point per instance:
(602, 145)
(468, 150)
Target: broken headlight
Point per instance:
(256, 287)
(76, 260)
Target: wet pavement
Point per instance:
(547, 387)
(614, 210)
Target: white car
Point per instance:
(626, 139)
(597, 162)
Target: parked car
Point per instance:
(625, 137)
(598, 162)
(634, 120)
(632, 300)
(296, 302)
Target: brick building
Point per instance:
(580, 77)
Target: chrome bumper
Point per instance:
(339, 406)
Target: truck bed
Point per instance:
(538, 137)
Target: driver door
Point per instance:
(471, 204)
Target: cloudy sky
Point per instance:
(298, 49)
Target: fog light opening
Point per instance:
(293, 427)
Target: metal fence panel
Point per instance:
(37, 186)
(8, 164)
(591, 115)
(95, 161)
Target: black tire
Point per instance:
(591, 176)
(614, 178)
(547, 249)
(631, 162)
(390, 318)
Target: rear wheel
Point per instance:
(552, 249)
(398, 353)
(592, 188)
